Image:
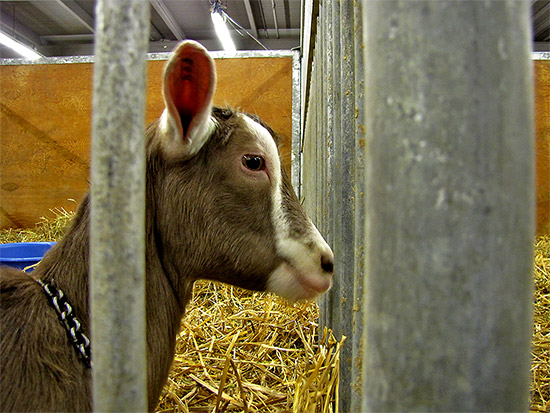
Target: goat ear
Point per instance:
(188, 87)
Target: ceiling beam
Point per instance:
(11, 25)
(273, 7)
(14, 28)
(78, 13)
(541, 11)
(286, 14)
(541, 46)
(87, 49)
(168, 18)
(540, 14)
(253, 28)
(88, 21)
(154, 34)
(68, 38)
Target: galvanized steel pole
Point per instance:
(118, 207)
(449, 232)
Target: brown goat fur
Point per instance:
(208, 215)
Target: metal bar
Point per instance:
(155, 35)
(450, 222)
(250, 15)
(541, 47)
(242, 54)
(78, 13)
(336, 179)
(275, 18)
(345, 219)
(359, 212)
(310, 11)
(118, 207)
(296, 154)
(311, 173)
(542, 13)
(326, 148)
(14, 28)
(68, 38)
(286, 13)
(168, 18)
(262, 15)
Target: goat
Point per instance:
(219, 206)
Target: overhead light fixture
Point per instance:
(19, 48)
(218, 19)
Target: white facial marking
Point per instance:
(274, 165)
(300, 276)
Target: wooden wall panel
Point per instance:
(44, 147)
(45, 120)
(542, 148)
(45, 124)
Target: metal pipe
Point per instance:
(296, 155)
(326, 146)
(78, 13)
(250, 15)
(450, 210)
(262, 15)
(168, 18)
(275, 18)
(346, 224)
(118, 207)
(359, 212)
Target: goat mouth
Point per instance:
(295, 284)
(315, 283)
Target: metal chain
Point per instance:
(70, 322)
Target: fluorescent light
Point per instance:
(222, 32)
(17, 47)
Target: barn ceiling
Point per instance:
(66, 27)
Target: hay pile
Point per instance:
(47, 229)
(540, 365)
(251, 352)
(243, 351)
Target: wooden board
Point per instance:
(45, 113)
(45, 124)
(542, 147)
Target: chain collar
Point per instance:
(64, 310)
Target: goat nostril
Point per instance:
(327, 264)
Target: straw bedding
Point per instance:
(252, 352)
(540, 365)
(243, 351)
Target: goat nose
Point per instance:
(327, 263)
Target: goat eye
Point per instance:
(253, 162)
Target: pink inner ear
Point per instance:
(188, 84)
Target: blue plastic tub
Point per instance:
(23, 254)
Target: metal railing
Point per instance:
(418, 167)
(117, 235)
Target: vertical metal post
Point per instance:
(333, 175)
(118, 207)
(296, 154)
(449, 230)
(344, 194)
(325, 141)
(358, 210)
(334, 162)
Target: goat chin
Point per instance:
(295, 284)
